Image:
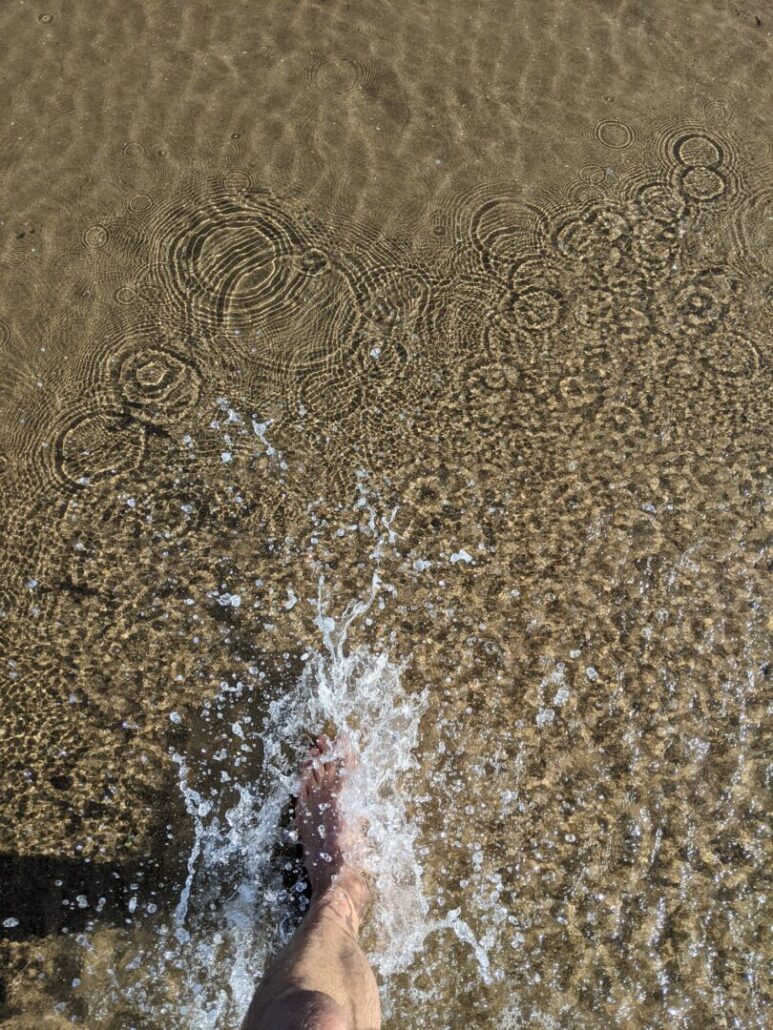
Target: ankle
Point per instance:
(355, 885)
(344, 899)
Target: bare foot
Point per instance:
(324, 832)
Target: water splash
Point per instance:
(235, 906)
(361, 693)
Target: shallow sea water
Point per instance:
(404, 370)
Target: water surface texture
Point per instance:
(402, 368)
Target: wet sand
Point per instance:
(477, 300)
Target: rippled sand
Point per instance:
(475, 300)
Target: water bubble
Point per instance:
(562, 696)
(545, 716)
(461, 555)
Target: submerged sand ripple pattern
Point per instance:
(574, 390)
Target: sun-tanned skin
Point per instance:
(322, 980)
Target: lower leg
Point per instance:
(322, 980)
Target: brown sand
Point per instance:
(512, 260)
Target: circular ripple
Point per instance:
(222, 153)
(5, 332)
(157, 384)
(705, 185)
(655, 246)
(717, 110)
(701, 302)
(489, 376)
(469, 304)
(692, 146)
(327, 395)
(731, 355)
(579, 192)
(339, 75)
(393, 302)
(501, 227)
(654, 197)
(314, 332)
(245, 263)
(702, 165)
(140, 203)
(98, 445)
(753, 226)
(120, 333)
(133, 167)
(697, 150)
(239, 180)
(133, 148)
(614, 134)
(592, 174)
(536, 301)
(232, 259)
(397, 338)
(598, 233)
(125, 295)
(95, 237)
(535, 308)
(147, 290)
